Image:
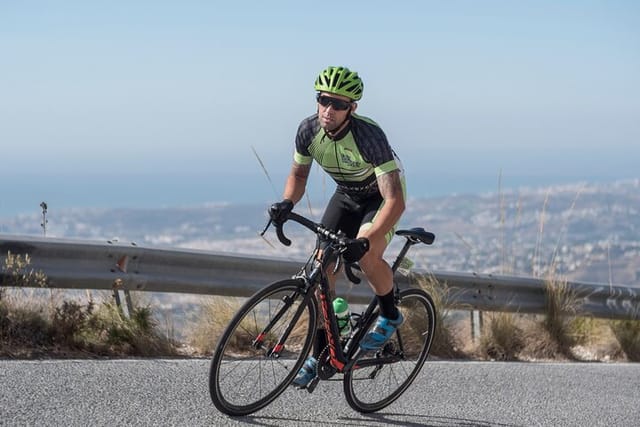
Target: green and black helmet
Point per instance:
(341, 81)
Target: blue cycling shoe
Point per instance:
(308, 372)
(381, 333)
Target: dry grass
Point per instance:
(16, 273)
(107, 330)
(539, 344)
(525, 337)
(501, 338)
(41, 322)
(560, 321)
(627, 332)
(510, 336)
(77, 329)
(213, 317)
(559, 334)
(445, 342)
(36, 322)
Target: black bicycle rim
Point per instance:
(243, 379)
(366, 394)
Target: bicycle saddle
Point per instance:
(417, 234)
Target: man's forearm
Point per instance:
(296, 182)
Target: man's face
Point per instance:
(333, 113)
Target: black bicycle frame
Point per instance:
(339, 358)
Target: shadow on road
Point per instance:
(379, 419)
(383, 419)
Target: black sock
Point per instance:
(320, 342)
(387, 306)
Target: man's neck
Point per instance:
(340, 131)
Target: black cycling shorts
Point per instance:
(347, 215)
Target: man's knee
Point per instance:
(370, 262)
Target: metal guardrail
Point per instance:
(75, 264)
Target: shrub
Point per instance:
(502, 337)
(627, 332)
(15, 273)
(109, 331)
(444, 343)
(212, 319)
(539, 343)
(69, 321)
(22, 327)
(561, 307)
(71, 327)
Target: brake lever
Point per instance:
(267, 227)
(283, 239)
(336, 267)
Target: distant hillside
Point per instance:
(587, 232)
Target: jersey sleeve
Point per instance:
(374, 146)
(387, 167)
(304, 137)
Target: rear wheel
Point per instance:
(249, 370)
(376, 380)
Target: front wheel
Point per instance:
(376, 380)
(263, 348)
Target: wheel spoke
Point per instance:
(245, 378)
(367, 394)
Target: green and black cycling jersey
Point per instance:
(354, 158)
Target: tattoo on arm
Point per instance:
(390, 186)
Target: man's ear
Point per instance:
(354, 106)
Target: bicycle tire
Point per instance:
(369, 394)
(244, 379)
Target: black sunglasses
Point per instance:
(338, 104)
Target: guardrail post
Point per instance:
(476, 324)
(116, 297)
(127, 298)
(121, 265)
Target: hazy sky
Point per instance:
(186, 88)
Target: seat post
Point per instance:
(402, 253)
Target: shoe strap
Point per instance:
(309, 366)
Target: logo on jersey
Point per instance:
(349, 161)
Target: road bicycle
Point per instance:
(269, 338)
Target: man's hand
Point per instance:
(279, 212)
(355, 250)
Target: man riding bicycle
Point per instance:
(369, 198)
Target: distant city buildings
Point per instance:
(584, 232)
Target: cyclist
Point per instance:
(369, 197)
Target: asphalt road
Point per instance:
(175, 392)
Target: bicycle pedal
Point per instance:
(313, 384)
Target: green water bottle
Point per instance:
(341, 308)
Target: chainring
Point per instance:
(325, 369)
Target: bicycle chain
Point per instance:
(325, 369)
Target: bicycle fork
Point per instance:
(288, 300)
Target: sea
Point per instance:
(28, 194)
